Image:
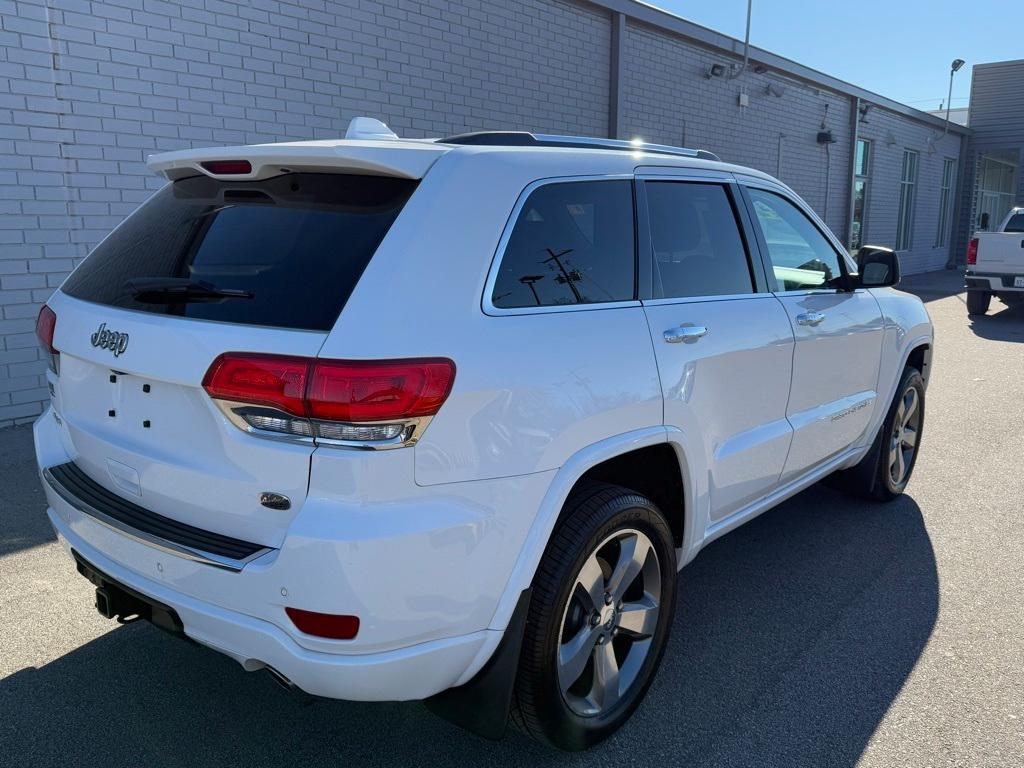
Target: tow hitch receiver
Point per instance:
(116, 601)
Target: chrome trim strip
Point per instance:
(704, 299)
(411, 433)
(499, 253)
(170, 547)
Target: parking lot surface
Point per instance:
(828, 632)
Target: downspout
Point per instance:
(616, 59)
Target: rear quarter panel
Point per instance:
(530, 390)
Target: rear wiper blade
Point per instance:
(180, 290)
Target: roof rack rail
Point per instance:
(526, 139)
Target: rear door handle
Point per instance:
(811, 318)
(686, 333)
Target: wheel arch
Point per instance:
(597, 461)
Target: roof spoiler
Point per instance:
(369, 147)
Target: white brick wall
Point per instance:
(88, 89)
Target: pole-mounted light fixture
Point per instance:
(953, 69)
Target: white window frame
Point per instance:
(908, 198)
(865, 178)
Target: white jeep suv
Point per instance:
(441, 419)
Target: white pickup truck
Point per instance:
(995, 264)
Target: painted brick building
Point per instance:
(89, 89)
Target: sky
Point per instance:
(901, 49)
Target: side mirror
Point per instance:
(983, 221)
(878, 267)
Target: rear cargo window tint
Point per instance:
(1015, 224)
(285, 252)
(572, 244)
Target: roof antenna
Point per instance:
(369, 128)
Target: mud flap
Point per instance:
(482, 705)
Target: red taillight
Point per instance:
(386, 390)
(272, 380)
(972, 251)
(380, 399)
(46, 324)
(329, 625)
(228, 167)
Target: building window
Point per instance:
(908, 182)
(861, 163)
(945, 200)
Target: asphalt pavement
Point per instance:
(828, 632)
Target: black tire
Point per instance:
(872, 477)
(978, 302)
(595, 514)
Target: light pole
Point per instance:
(953, 68)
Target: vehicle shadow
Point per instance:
(932, 286)
(23, 523)
(792, 637)
(1002, 323)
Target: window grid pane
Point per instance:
(908, 181)
(861, 164)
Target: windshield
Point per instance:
(284, 252)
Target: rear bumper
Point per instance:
(424, 569)
(990, 281)
(415, 672)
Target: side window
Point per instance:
(695, 240)
(801, 257)
(573, 243)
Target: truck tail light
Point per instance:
(330, 625)
(972, 251)
(46, 324)
(371, 403)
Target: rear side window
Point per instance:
(696, 242)
(284, 252)
(571, 244)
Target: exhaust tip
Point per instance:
(280, 679)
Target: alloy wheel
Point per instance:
(905, 430)
(608, 622)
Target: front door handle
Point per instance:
(687, 333)
(811, 318)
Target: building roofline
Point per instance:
(987, 64)
(709, 38)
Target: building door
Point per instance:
(996, 183)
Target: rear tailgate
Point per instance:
(206, 267)
(1000, 253)
(142, 426)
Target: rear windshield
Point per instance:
(284, 252)
(1015, 224)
